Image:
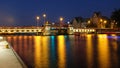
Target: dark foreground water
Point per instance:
(68, 51)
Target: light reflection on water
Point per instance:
(84, 51)
(103, 51)
(61, 52)
(89, 48)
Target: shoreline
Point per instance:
(9, 58)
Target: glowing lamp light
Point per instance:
(88, 30)
(76, 30)
(37, 17)
(61, 19)
(44, 15)
(101, 20)
(105, 21)
(1, 37)
(3, 31)
(68, 22)
(89, 22)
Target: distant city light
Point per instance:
(68, 22)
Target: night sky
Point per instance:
(24, 12)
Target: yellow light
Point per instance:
(41, 51)
(1, 38)
(61, 52)
(45, 49)
(37, 17)
(82, 30)
(89, 48)
(103, 51)
(61, 19)
(89, 22)
(38, 48)
(8, 31)
(88, 30)
(20, 30)
(101, 20)
(14, 30)
(79, 30)
(105, 21)
(3, 31)
(76, 30)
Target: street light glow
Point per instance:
(61, 19)
(101, 20)
(68, 22)
(105, 21)
(89, 22)
(38, 17)
(44, 15)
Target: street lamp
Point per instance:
(68, 22)
(61, 21)
(105, 22)
(89, 21)
(44, 16)
(38, 18)
(101, 22)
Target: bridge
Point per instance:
(12, 30)
(50, 30)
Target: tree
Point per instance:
(116, 17)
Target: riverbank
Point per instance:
(8, 58)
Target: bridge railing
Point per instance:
(20, 30)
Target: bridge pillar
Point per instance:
(70, 29)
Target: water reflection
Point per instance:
(41, 58)
(103, 51)
(89, 48)
(83, 51)
(53, 62)
(38, 54)
(61, 52)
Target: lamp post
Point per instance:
(44, 16)
(61, 21)
(101, 22)
(88, 23)
(38, 18)
(105, 21)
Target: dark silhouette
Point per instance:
(116, 17)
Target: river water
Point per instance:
(68, 51)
